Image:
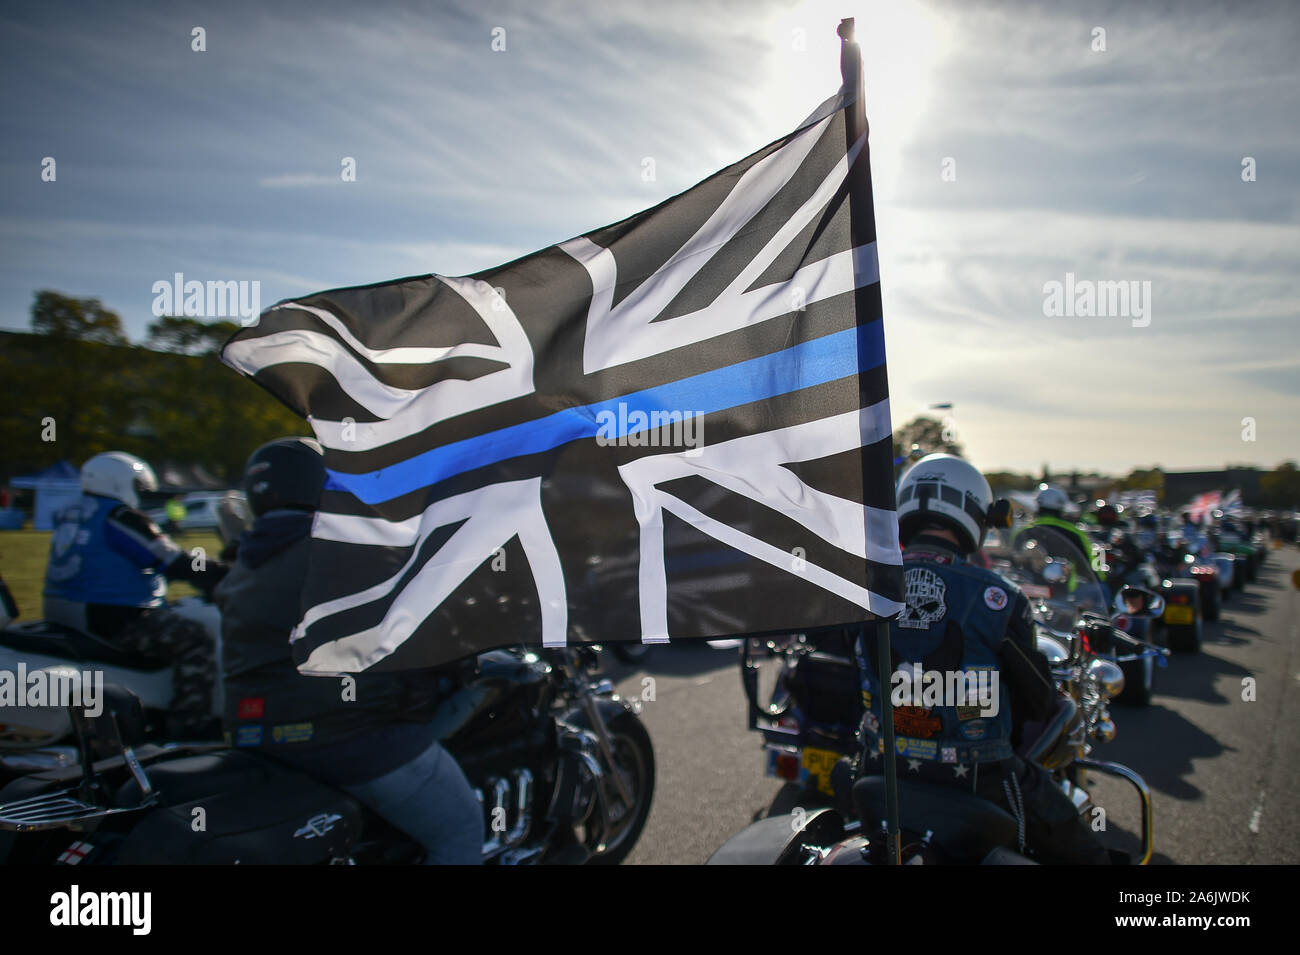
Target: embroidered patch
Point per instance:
(995, 598)
(916, 721)
(948, 754)
(917, 748)
(292, 733)
(925, 599)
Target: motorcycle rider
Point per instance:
(1191, 534)
(1148, 531)
(1051, 503)
(960, 617)
(107, 575)
(1125, 551)
(369, 734)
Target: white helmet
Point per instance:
(946, 488)
(1051, 499)
(118, 475)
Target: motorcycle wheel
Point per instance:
(1212, 604)
(635, 755)
(1184, 638)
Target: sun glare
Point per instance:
(901, 42)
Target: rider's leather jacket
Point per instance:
(268, 703)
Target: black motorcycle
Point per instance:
(1076, 632)
(564, 769)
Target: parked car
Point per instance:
(202, 511)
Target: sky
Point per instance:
(1013, 144)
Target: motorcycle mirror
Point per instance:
(1136, 602)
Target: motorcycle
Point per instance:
(36, 736)
(1068, 602)
(1250, 553)
(564, 770)
(1075, 630)
(1192, 591)
(811, 719)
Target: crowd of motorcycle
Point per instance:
(1115, 595)
(565, 770)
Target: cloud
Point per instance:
(298, 181)
(1115, 165)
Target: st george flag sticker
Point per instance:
(75, 853)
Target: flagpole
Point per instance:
(862, 230)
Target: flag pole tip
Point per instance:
(845, 29)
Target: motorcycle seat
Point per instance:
(255, 811)
(56, 640)
(965, 826)
(192, 777)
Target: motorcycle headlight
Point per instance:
(1053, 649)
(1109, 677)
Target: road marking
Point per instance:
(1259, 811)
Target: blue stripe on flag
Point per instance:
(813, 363)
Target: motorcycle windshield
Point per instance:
(1052, 571)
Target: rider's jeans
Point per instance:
(430, 800)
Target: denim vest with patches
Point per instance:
(957, 616)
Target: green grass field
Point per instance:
(22, 565)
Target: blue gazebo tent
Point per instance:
(56, 487)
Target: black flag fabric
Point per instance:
(673, 427)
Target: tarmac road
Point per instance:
(1224, 772)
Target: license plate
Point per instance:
(1177, 616)
(818, 764)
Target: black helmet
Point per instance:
(1107, 515)
(288, 473)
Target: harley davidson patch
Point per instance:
(916, 721)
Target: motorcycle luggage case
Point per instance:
(254, 811)
(827, 689)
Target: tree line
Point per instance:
(77, 386)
